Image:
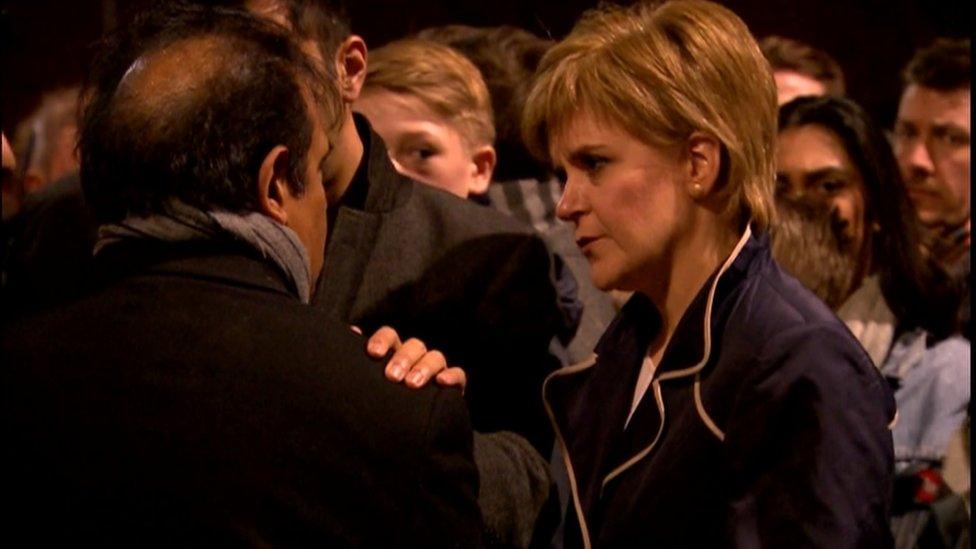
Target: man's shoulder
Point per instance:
(464, 216)
(220, 327)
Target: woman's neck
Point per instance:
(692, 263)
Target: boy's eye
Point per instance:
(418, 152)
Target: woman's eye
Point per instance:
(831, 186)
(592, 163)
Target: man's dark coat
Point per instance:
(194, 401)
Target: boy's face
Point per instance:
(422, 144)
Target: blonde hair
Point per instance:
(661, 72)
(442, 79)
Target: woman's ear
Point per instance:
(350, 61)
(273, 189)
(483, 159)
(704, 164)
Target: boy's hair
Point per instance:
(442, 79)
(787, 54)
(507, 57)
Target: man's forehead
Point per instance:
(926, 105)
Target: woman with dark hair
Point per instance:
(829, 152)
(856, 174)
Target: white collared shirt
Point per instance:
(643, 382)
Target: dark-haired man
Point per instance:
(195, 399)
(932, 143)
(465, 279)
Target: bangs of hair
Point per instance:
(660, 73)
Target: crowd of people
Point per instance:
(655, 283)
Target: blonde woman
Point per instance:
(725, 405)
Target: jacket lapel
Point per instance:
(355, 230)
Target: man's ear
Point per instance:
(350, 61)
(704, 164)
(273, 190)
(483, 159)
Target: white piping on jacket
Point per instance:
(563, 449)
(692, 370)
(656, 384)
(659, 400)
(707, 419)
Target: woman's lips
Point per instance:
(584, 241)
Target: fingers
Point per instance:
(425, 368)
(382, 341)
(452, 377)
(410, 363)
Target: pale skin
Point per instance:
(791, 84)
(425, 146)
(646, 217)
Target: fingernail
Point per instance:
(398, 371)
(416, 378)
(374, 349)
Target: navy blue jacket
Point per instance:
(771, 428)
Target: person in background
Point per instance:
(196, 398)
(805, 240)
(46, 139)
(932, 144)
(522, 186)
(467, 280)
(830, 155)
(726, 405)
(432, 109)
(800, 69)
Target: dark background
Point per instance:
(46, 42)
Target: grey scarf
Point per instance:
(182, 223)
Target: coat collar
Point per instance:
(220, 260)
(376, 187)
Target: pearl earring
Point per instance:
(697, 191)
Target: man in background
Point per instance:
(932, 144)
(800, 69)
